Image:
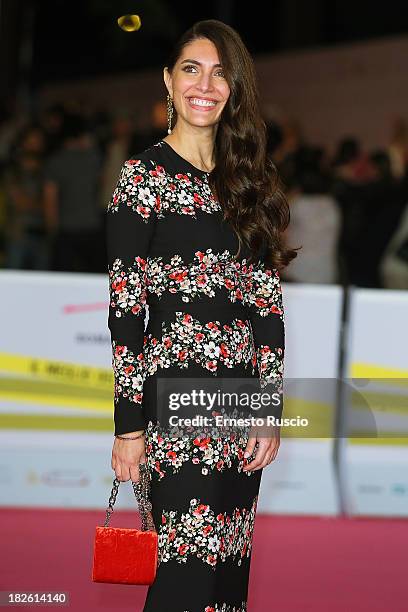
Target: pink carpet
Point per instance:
(299, 563)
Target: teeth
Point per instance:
(199, 102)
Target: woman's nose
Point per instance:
(205, 82)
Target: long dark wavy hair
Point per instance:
(245, 180)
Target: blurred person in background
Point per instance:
(398, 148)
(52, 121)
(286, 149)
(26, 244)
(385, 204)
(156, 129)
(315, 221)
(393, 267)
(117, 151)
(72, 183)
(352, 170)
(274, 140)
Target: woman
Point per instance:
(182, 210)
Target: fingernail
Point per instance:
(246, 454)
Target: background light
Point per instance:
(129, 23)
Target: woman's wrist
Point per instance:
(131, 435)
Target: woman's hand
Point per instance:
(268, 439)
(126, 456)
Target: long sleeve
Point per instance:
(130, 222)
(268, 326)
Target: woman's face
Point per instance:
(198, 85)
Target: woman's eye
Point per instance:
(191, 68)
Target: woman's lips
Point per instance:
(200, 107)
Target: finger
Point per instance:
(275, 454)
(262, 452)
(134, 472)
(275, 450)
(259, 458)
(124, 473)
(269, 458)
(249, 449)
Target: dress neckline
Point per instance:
(184, 159)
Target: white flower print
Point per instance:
(167, 451)
(150, 190)
(211, 537)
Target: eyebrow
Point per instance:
(191, 61)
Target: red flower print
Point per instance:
(158, 205)
(171, 455)
(183, 549)
(145, 212)
(182, 355)
(136, 309)
(224, 350)
(172, 535)
(129, 369)
(201, 442)
(140, 262)
(261, 302)
(202, 280)
(183, 177)
(119, 285)
(179, 276)
(198, 337)
(207, 529)
(120, 350)
(200, 509)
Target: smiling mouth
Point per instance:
(202, 103)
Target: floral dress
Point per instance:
(171, 256)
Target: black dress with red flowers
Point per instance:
(210, 317)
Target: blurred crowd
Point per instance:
(349, 209)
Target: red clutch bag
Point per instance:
(127, 556)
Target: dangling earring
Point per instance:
(169, 112)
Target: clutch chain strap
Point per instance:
(141, 490)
